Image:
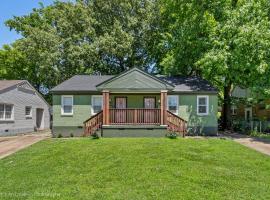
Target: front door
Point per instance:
(149, 113)
(121, 104)
(248, 114)
(39, 119)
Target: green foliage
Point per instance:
(257, 134)
(227, 42)
(171, 135)
(86, 37)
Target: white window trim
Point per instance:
(207, 105)
(250, 110)
(234, 110)
(177, 103)
(12, 112)
(62, 105)
(30, 115)
(92, 104)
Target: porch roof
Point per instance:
(134, 80)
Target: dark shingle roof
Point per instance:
(4, 84)
(81, 83)
(189, 84)
(87, 83)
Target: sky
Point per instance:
(10, 8)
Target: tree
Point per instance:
(226, 42)
(89, 37)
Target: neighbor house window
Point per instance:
(28, 111)
(97, 102)
(202, 105)
(67, 105)
(234, 110)
(173, 104)
(6, 112)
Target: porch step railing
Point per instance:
(93, 124)
(176, 124)
(135, 116)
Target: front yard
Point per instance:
(143, 168)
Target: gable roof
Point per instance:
(135, 79)
(8, 84)
(94, 83)
(5, 84)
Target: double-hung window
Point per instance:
(202, 105)
(173, 104)
(6, 112)
(97, 103)
(67, 105)
(28, 111)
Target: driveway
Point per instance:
(261, 145)
(10, 145)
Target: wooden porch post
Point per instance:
(163, 107)
(106, 107)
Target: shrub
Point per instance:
(71, 135)
(171, 135)
(95, 136)
(59, 135)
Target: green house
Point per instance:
(134, 103)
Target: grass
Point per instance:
(142, 168)
(260, 135)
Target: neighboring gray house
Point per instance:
(22, 108)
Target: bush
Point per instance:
(71, 135)
(172, 135)
(59, 135)
(95, 136)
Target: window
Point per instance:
(6, 112)
(202, 105)
(97, 102)
(234, 110)
(28, 111)
(67, 105)
(173, 104)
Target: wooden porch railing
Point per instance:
(135, 116)
(93, 124)
(176, 124)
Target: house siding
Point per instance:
(20, 98)
(135, 100)
(203, 125)
(67, 125)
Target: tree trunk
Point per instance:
(226, 110)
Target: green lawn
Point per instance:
(143, 168)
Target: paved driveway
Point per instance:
(10, 145)
(261, 145)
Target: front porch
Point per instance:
(120, 115)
